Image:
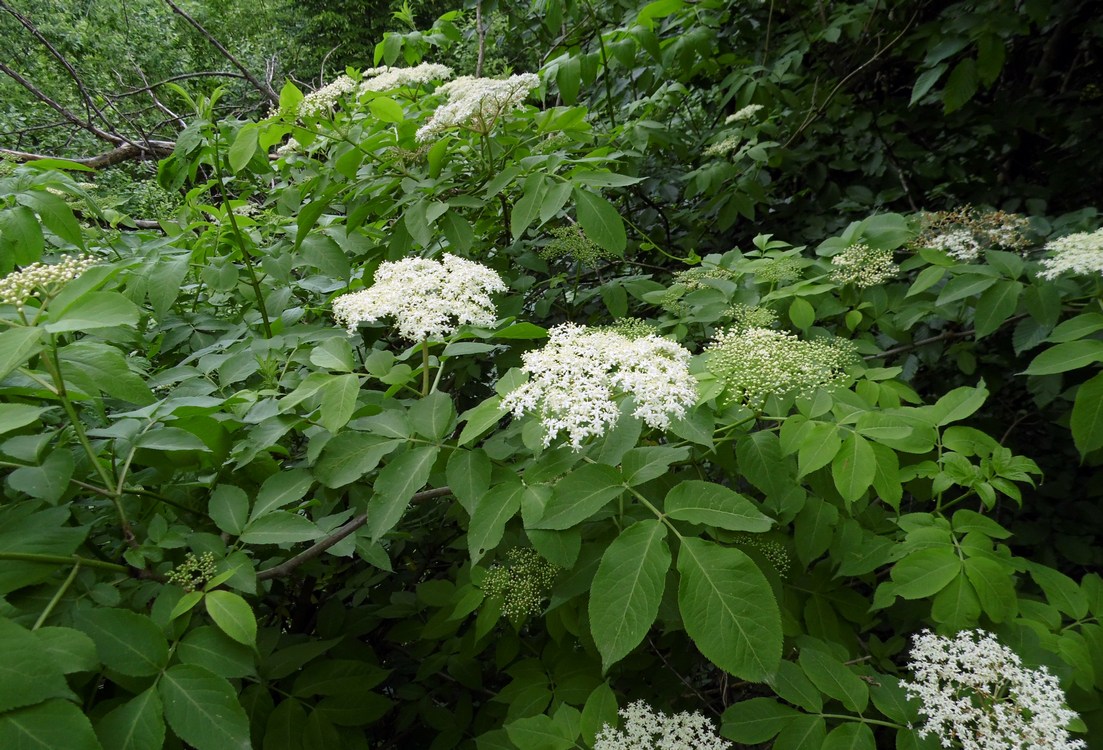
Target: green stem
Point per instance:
(864, 720)
(425, 367)
(658, 513)
(236, 231)
(34, 557)
(57, 596)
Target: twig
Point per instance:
(257, 83)
(123, 153)
(288, 566)
(481, 31)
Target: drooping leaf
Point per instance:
(715, 505)
(137, 724)
(202, 709)
(627, 589)
(127, 642)
(729, 609)
(47, 726)
(233, 616)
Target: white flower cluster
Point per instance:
(755, 363)
(1080, 253)
(386, 78)
(960, 243)
(862, 266)
(16, 287)
(288, 148)
(647, 729)
(427, 298)
(322, 101)
(578, 376)
(723, 147)
(477, 103)
(977, 693)
(744, 114)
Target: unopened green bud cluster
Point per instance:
(43, 278)
(631, 328)
(523, 583)
(756, 363)
(752, 316)
(862, 266)
(571, 242)
(773, 551)
(194, 572)
(691, 280)
(778, 270)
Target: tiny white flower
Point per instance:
(322, 101)
(386, 78)
(744, 114)
(1080, 253)
(478, 103)
(862, 266)
(977, 693)
(578, 377)
(427, 298)
(647, 729)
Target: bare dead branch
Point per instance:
(257, 83)
(68, 115)
(172, 79)
(124, 152)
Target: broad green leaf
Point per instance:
(1071, 355)
(1060, 590)
(25, 677)
(927, 278)
(714, 505)
(244, 146)
(1081, 326)
(491, 511)
(729, 609)
(995, 306)
(802, 313)
(21, 241)
(386, 109)
(432, 415)
(468, 475)
(351, 455)
(802, 733)
(333, 354)
(755, 720)
(55, 213)
(538, 733)
(963, 286)
(791, 684)
(127, 642)
(854, 467)
(818, 447)
(95, 367)
(813, 528)
(834, 678)
(280, 527)
(761, 462)
(14, 416)
(170, 439)
(71, 650)
(284, 729)
(527, 207)
(202, 709)
(233, 615)
(95, 310)
(957, 404)
(281, 489)
(135, 725)
(995, 587)
(640, 465)
(568, 78)
(210, 648)
(52, 725)
(627, 589)
(600, 709)
(926, 572)
(852, 735)
(49, 481)
(960, 88)
(1087, 416)
(925, 81)
(229, 508)
(481, 418)
(395, 485)
(579, 495)
(600, 221)
(957, 606)
(338, 401)
(17, 346)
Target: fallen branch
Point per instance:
(123, 153)
(288, 566)
(257, 83)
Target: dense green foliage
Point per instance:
(229, 523)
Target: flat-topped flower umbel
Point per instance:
(478, 103)
(976, 692)
(427, 298)
(578, 377)
(647, 729)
